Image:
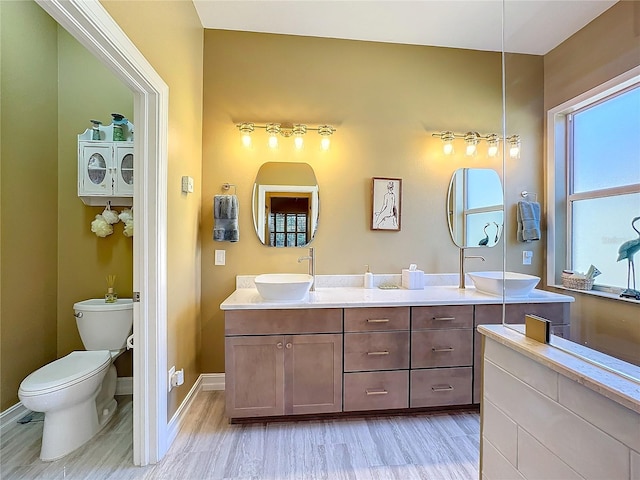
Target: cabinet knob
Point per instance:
(288, 345)
(279, 345)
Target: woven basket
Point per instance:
(576, 283)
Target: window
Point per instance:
(595, 154)
(288, 229)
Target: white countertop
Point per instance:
(248, 298)
(606, 375)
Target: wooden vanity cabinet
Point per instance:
(557, 313)
(271, 374)
(441, 355)
(376, 358)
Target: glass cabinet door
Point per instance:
(95, 175)
(123, 181)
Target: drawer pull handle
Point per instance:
(442, 349)
(443, 319)
(377, 320)
(442, 388)
(376, 392)
(279, 345)
(383, 352)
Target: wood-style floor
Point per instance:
(433, 447)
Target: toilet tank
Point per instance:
(104, 326)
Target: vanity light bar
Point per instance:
(472, 139)
(296, 130)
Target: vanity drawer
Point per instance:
(376, 319)
(440, 386)
(282, 322)
(442, 348)
(376, 390)
(445, 316)
(376, 351)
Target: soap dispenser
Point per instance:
(368, 278)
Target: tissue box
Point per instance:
(412, 279)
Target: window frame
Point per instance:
(558, 176)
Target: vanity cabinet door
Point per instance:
(313, 373)
(254, 378)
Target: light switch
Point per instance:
(187, 184)
(219, 257)
(527, 255)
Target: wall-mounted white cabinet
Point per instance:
(105, 168)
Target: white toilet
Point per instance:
(76, 392)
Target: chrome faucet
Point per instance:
(312, 267)
(462, 274)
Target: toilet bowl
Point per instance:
(76, 392)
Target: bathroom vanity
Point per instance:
(348, 349)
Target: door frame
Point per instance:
(89, 23)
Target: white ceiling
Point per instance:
(531, 26)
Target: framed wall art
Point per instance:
(386, 202)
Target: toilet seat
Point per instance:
(66, 371)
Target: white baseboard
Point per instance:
(12, 414)
(212, 381)
(173, 427)
(124, 386)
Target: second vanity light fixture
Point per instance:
(472, 139)
(296, 130)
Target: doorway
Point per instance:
(90, 24)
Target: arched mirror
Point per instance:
(285, 204)
(475, 207)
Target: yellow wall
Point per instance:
(28, 206)
(607, 47)
(384, 100)
(170, 36)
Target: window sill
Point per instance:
(598, 293)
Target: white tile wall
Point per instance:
(538, 376)
(495, 466)
(619, 422)
(635, 465)
(572, 446)
(501, 431)
(536, 461)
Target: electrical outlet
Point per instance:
(219, 257)
(527, 255)
(172, 372)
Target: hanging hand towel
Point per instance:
(528, 215)
(225, 218)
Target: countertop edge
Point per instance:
(575, 366)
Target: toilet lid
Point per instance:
(73, 368)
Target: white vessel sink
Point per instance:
(515, 284)
(282, 287)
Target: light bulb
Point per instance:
(514, 146)
(514, 152)
(471, 149)
(493, 145)
(273, 141)
(246, 140)
(299, 130)
(298, 142)
(447, 148)
(325, 143)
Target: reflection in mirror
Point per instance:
(285, 204)
(475, 207)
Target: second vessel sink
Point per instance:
(515, 284)
(282, 287)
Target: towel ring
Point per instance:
(227, 186)
(525, 194)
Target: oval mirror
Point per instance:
(285, 204)
(475, 207)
